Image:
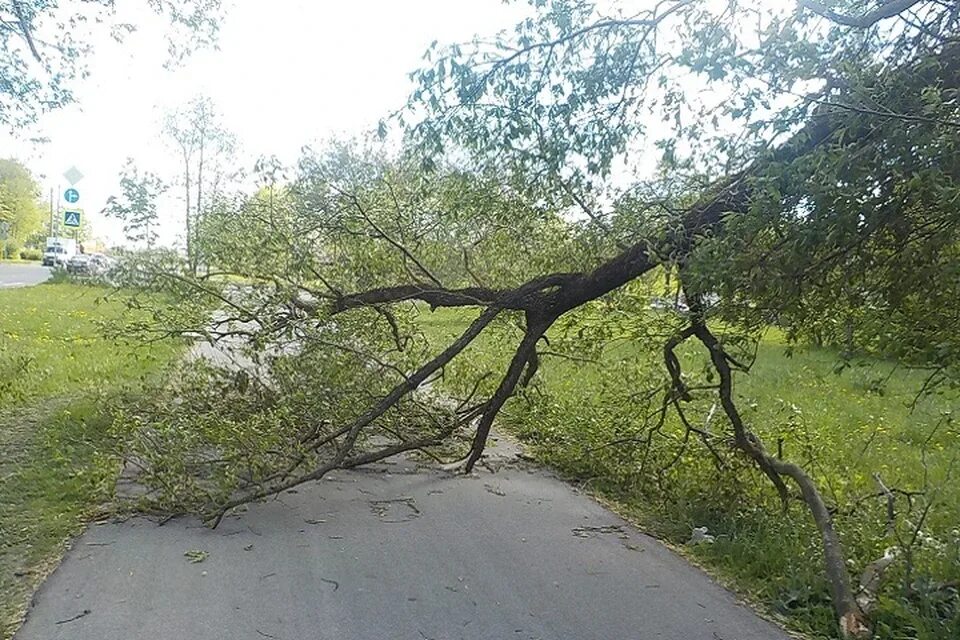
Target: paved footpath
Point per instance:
(390, 552)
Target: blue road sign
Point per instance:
(71, 218)
(71, 195)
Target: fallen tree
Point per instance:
(364, 238)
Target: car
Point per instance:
(78, 264)
(89, 264)
(664, 304)
(58, 251)
(55, 257)
(103, 262)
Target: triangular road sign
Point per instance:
(71, 218)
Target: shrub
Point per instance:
(31, 254)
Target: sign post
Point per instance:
(71, 217)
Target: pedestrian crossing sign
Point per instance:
(71, 218)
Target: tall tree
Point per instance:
(42, 55)
(137, 204)
(20, 208)
(205, 147)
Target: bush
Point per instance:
(31, 254)
(9, 251)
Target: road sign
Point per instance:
(71, 218)
(71, 195)
(73, 175)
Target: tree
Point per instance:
(42, 55)
(569, 97)
(804, 153)
(19, 203)
(137, 207)
(197, 135)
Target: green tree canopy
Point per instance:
(137, 206)
(20, 207)
(45, 45)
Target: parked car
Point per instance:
(59, 251)
(89, 264)
(78, 264)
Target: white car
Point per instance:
(55, 257)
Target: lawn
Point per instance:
(844, 427)
(56, 371)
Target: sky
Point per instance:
(287, 73)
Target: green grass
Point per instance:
(842, 427)
(56, 371)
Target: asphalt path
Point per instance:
(390, 552)
(13, 274)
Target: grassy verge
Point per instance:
(842, 428)
(55, 372)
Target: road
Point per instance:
(390, 552)
(18, 274)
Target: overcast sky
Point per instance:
(287, 73)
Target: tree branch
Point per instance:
(25, 28)
(536, 327)
(434, 296)
(888, 9)
(852, 620)
(352, 430)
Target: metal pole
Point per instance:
(59, 220)
(51, 213)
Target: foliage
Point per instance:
(137, 207)
(203, 144)
(19, 205)
(31, 254)
(45, 45)
(834, 170)
(592, 421)
(806, 181)
(217, 429)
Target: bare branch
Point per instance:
(852, 620)
(352, 430)
(25, 29)
(888, 9)
(536, 327)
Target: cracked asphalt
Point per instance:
(392, 551)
